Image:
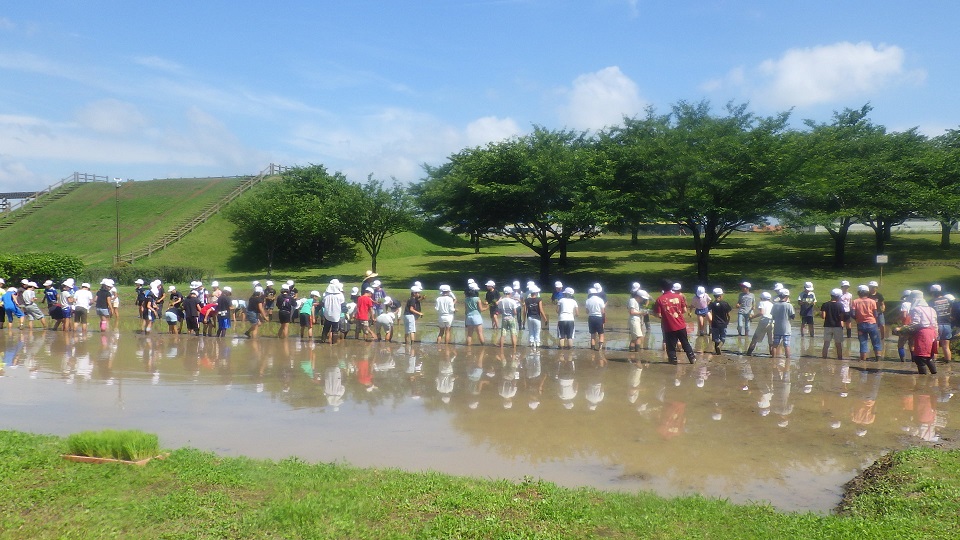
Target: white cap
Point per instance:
(228, 289)
(676, 287)
(516, 284)
(469, 281)
(24, 281)
(533, 289)
(84, 285)
(69, 282)
(935, 288)
(290, 282)
(746, 284)
(836, 292)
(171, 288)
(873, 284)
(592, 290)
(387, 300)
(808, 286)
(490, 283)
(412, 289)
(777, 286)
(558, 284)
(284, 287)
(765, 295)
(844, 283)
(353, 291)
(598, 287)
(215, 284)
(784, 292)
(508, 290)
(368, 290)
(255, 283)
(863, 288)
(314, 293)
(635, 287)
(376, 283)
(138, 281)
(269, 283)
(473, 286)
(568, 290)
(717, 291)
(258, 289)
(46, 283)
(643, 294)
(444, 288)
(701, 290)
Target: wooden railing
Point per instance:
(208, 211)
(53, 192)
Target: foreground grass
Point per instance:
(194, 494)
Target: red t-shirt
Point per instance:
(364, 305)
(864, 309)
(670, 307)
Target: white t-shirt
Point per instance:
(765, 307)
(508, 307)
(595, 306)
(445, 304)
(633, 305)
(565, 308)
(83, 299)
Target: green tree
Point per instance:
(942, 194)
(709, 174)
(447, 200)
(375, 213)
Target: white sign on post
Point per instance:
(883, 259)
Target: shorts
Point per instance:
(806, 319)
(103, 312)
(509, 326)
(701, 311)
(410, 323)
(171, 317)
(305, 320)
(474, 318)
(946, 332)
(147, 315)
(881, 319)
(446, 321)
(595, 324)
(785, 340)
(636, 327)
(833, 333)
(565, 329)
(493, 311)
(719, 334)
(33, 312)
(67, 311)
(268, 304)
(383, 327)
(253, 317)
(285, 317)
(193, 323)
(224, 322)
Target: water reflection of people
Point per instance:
(594, 393)
(567, 386)
(509, 377)
(533, 378)
(864, 411)
(333, 388)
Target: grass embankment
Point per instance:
(194, 494)
(84, 222)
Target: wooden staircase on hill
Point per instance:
(46, 196)
(186, 226)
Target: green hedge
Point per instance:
(126, 274)
(39, 267)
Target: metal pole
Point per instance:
(117, 192)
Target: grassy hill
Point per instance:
(83, 223)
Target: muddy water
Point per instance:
(788, 432)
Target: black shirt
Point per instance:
(721, 313)
(832, 314)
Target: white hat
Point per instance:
(171, 288)
(368, 290)
(558, 284)
(84, 285)
(255, 283)
(949, 297)
(104, 281)
(418, 284)
(387, 301)
(598, 287)
(808, 286)
(784, 292)
(643, 294)
(215, 284)
(635, 287)
(444, 288)
(490, 283)
(284, 287)
(155, 283)
(314, 293)
(836, 292)
(592, 290)
(746, 284)
(269, 283)
(34, 285)
(765, 295)
(516, 284)
(473, 286)
(290, 282)
(12, 289)
(863, 288)
(935, 288)
(777, 286)
(533, 289)
(676, 287)
(717, 291)
(228, 289)
(469, 281)
(873, 284)
(844, 283)
(414, 289)
(138, 281)
(1, 280)
(258, 289)
(701, 290)
(69, 282)
(376, 283)
(355, 291)
(24, 281)
(568, 290)
(46, 283)
(508, 290)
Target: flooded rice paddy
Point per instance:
(788, 432)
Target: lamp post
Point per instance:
(117, 191)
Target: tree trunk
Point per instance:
(544, 267)
(563, 252)
(840, 243)
(880, 242)
(475, 242)
(945, 227)
(634, 233)
(373, 260)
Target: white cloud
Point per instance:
(161, 64)
(821, 74)
(111, 116)
(601, 99)
(490, 129)
(6, 24)
(15, 176)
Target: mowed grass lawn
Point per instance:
(193, 494)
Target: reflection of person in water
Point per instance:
(509, 377)
(533, 378)
(333, 388)
(567, 385)
(594, 392)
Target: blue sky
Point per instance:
(166, 89)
